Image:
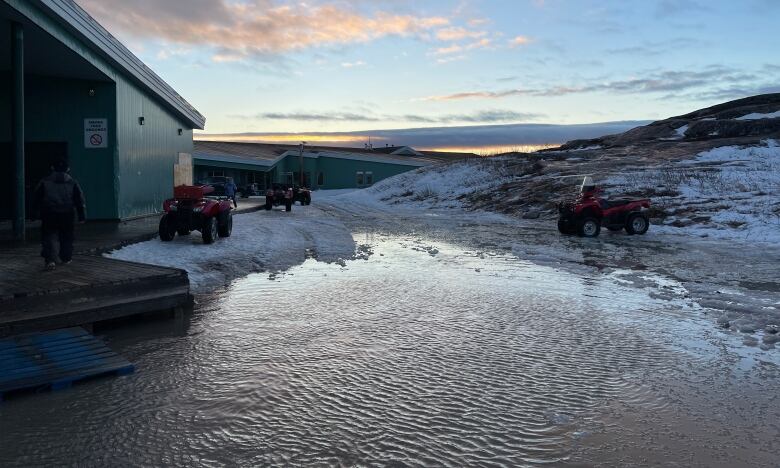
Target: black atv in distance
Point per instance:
(278, 195)
(301, 195)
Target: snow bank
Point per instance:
(729, 192)
(757, 116)
(440, 186)
(261, 241)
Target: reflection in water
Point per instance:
(419, 354)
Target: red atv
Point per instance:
(277, 195)
(589, 212)
(192, 210)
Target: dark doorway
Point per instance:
(39, 157)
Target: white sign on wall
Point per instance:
(95, 133)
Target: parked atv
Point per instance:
(302, 195)
(279, 195)
(589, 212)
(193, 209)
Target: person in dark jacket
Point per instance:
(230, 190)
(59, 200)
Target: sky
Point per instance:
(281, 67)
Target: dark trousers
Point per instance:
(57, 227)
(235, 202)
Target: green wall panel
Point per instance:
(146, 153)
(340, 173)
(55, 109)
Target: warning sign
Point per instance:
(96, 133)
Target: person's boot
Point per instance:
(49, 265)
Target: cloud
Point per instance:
(359, 63)
(455, 33)
(485, 116)
(455, 48)
(311, 117)
(665, 81)
(255, 28)
(519, 41)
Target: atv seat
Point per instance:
(613, 202)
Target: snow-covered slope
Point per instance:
(729, 192)
(442, 186)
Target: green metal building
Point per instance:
(69, 89)
(323, 167)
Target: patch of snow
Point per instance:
(261, 241)
(757, 116)
(679, 133)
(729, 192)
(439, 186)
(587, 148)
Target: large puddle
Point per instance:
(420, 353)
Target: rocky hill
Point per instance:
(734, 122)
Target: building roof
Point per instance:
(80, 23)
(265, 154)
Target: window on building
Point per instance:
(369, 178)
(359, 179)
(215, 174)
(287, 178)
(321, 178)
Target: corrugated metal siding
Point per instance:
(340, 173)
(55, 109)
(146, 153)
(55, 112)
(144, 157)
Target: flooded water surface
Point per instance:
(419, 353)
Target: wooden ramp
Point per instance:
(92, 289)
(55, 359)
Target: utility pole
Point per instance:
(17, 128)
(300, 161)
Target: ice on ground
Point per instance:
(729, 192)
(757, 116)
(261, 241)
(681, 131)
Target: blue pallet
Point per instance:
(55, 360)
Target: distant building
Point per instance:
(323, 167)
(126, 133)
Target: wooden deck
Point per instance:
(91, 289)
(55, 359)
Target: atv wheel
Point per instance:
(166, 231)
(637, 223)
(590, 227)
(183, 232)
(563, 227)
(209, 231)
(226, 225)
(288, 205)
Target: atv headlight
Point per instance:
(197, 209)
(173, 208)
